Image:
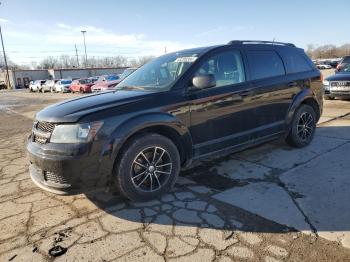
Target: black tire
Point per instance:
(329, 97)
(303, 127)
(158, 172)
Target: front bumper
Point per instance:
(64, 168)
(330, 93)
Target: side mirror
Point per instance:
(204, 81)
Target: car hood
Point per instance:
(72, 110)
(339, 77)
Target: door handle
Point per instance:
(292, 84)
(246, 93)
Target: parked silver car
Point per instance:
(62, 85)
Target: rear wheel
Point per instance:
(303, 127)
(148, 167)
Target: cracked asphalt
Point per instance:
(269, 203)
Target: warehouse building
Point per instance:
(21, 78)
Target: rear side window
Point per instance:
(264, 64)
(294, 61)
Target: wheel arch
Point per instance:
(305, 97)
(159, 123)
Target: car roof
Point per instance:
(246, 43)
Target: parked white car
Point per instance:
(36, 85)
(48, 86)
(323, 66)
(62, 85)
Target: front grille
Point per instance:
(42, 132)
(45, 127)
(340, 83)
(54, 178)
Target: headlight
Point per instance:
(76, 133)
(325, 83)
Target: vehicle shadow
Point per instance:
(306, 190)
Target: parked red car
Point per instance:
(82, 85)
(105, 82)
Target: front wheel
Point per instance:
(303, 127)
(148, 167)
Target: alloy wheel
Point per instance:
(151, 169)
(305, 126)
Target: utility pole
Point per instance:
(76, 53)
(84, 31)
(5, 60)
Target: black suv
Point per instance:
(180, 107)
(344, 61)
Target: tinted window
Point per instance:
(264, 64)
(346, 60)
(294, 61)
(346, 68)
(227, 67)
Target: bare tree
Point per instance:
(328, 51)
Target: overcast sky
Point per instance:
(35, 29)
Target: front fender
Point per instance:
(131, 126)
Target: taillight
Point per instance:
(321, 77)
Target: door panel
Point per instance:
(222, 116)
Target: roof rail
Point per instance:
(241, 42)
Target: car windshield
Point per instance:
(126, 73)
(66, 82)
(161, 73)
(346, 69)
(84, 81)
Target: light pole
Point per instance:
(5, 60)
(84, 31)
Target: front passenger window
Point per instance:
(227, 68)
